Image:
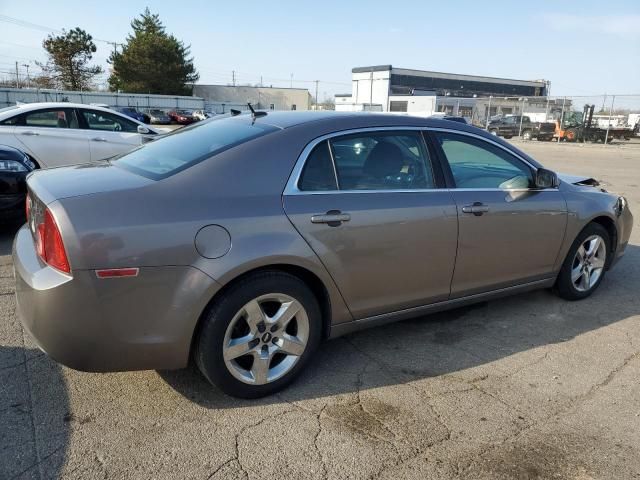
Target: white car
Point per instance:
(55, 134)
(201, 115)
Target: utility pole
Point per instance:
(317, 94)
(17, 77)
(26, 65)
(260, 80)
(291, 84)
(233, 77)
(521, 117)
(606, 136)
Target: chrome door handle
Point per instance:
(30, 133)
(333, 218)
(98, 139)
(477, 208)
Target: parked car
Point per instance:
(451, 118)
(512, 126)
(14, 167)
(55, 134)
(133, 113)
(243, 241)
(202, 115)
(182, 117)
(159, 117)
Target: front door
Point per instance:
(109, 134)
(509, 232)
(54, 136)
(369, 206)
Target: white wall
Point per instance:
(9, 96)
(370, 87)
(418, 105)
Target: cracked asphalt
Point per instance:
(526, 387)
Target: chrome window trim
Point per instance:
(291, 187)
(333, 165)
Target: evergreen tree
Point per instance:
(69, 56)
(152, 61)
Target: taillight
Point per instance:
(49, 244)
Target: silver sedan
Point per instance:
(242, 242)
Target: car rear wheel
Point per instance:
(258, 336)
(585, 265)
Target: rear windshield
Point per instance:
(187, 146)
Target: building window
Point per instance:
(397, 106)
(293, 107)
(272, 106)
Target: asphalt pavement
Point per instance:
(525, 387)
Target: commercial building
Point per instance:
(221, 98)
(418, 92)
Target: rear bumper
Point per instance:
(91, 324)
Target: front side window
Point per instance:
(97, 120)
(61, 118)
(369, 161)
(479, 164)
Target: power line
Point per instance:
(35, 26)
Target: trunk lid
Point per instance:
(78, 180)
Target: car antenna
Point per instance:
(255, 114)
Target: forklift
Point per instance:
(573, 127)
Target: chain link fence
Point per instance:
(575, 118)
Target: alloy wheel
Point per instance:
(266, 338)
(588, 263)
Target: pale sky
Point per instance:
(583, 48)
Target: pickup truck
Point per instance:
(508, 127)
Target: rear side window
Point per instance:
(382, 161)
(318, 174)
(188, 146)
(369, 161)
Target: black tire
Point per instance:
(564, 284)
(208, 353)
(508, 136)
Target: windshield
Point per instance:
(189, 146)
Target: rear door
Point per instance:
(109, 134)
(510, 233)
(370, 206)
(54, 136)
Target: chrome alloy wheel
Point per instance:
(266, 338)
(588, 264)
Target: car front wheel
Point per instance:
(585, 265)
(258, 336)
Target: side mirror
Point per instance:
(142, 129)
(546, 179)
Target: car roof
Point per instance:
(344, 120)
(332, 121)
